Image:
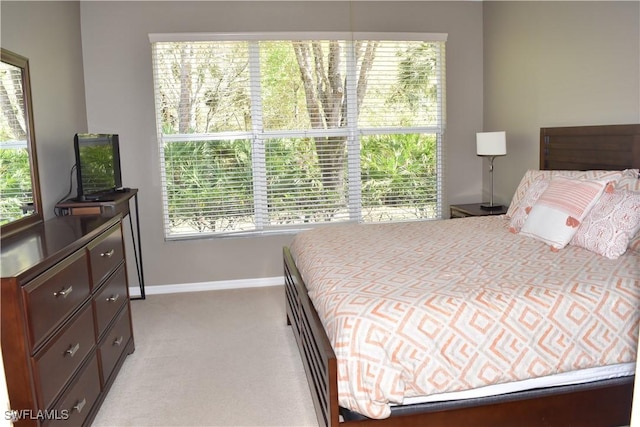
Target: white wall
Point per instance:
(119, 98)
(556, 64)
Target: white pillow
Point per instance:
(559, 211)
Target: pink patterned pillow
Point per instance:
(600, 175)
(527, 180)
(533, 175)
(559, 211)
(630, 180)
(610, 225)
(634, 244)
(530, 198)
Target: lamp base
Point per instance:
(490, 207)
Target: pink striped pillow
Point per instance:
(558, 212)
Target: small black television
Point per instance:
(97, 166)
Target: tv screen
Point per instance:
(97, 165)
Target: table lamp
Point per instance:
(491, 145)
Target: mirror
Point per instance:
(20, 202)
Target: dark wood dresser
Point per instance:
(66, 318)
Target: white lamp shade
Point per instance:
(491, 143)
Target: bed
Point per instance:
(603, 288)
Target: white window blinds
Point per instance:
(277, 132)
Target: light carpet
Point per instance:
(214, 358)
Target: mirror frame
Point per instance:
(13, 227)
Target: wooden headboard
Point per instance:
(609, 147)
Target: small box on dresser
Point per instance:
(66, 318)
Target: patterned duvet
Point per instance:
(413, 309)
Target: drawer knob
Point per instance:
(108, 254)
(118, 340)
(113, 298)
(63, 293)
(71, 351)
(78, 406)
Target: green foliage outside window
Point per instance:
(396, 171)
(15, 183)
(210, 184)
(210, 180)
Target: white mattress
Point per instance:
(566, 378)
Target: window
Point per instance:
(276, 132)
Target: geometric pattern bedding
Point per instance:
(417, 308)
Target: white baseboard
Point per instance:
(134, 291)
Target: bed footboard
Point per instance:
(318, 357)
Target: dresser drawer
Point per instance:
(114, 343)
(76, 403)
(53, 295)
(52, 277)
(61, 357)
(110, 299)
(105, 254)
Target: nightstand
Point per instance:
(474, 209)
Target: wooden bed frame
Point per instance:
(602, 403)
